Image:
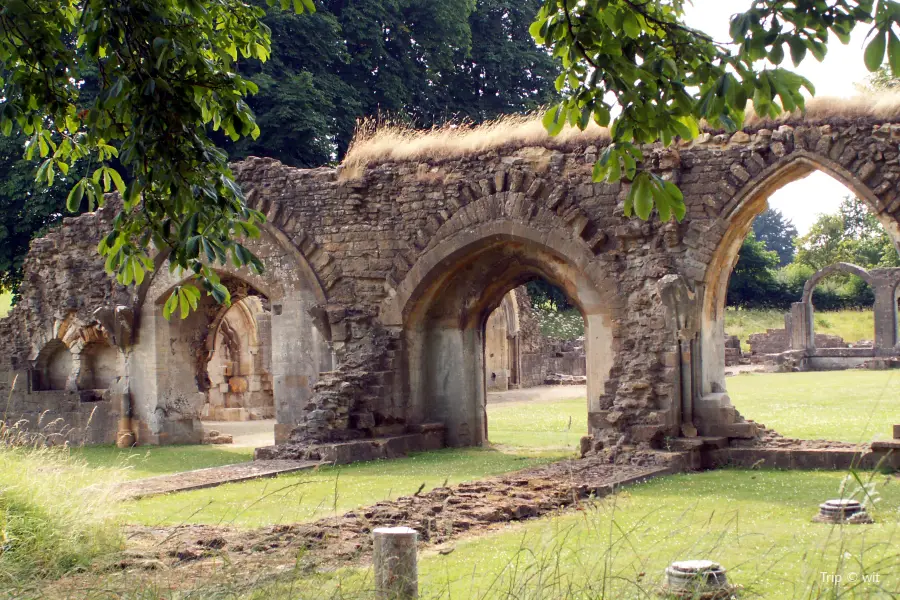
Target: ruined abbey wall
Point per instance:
(380, 284)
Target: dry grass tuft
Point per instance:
(378, 141)
(882, 106)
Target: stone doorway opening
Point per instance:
(448, 329)
(239, 368)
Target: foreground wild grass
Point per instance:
(310, 495)
(56, 514)
(852, 325)
(849, 406)
(150, 461)
(756, 523)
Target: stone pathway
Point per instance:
(211, 477)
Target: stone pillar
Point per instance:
(396, 571)
(75, 372)
(885, 317)
(802, 336)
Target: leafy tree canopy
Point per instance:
(777, 233)
(636, 67)
(165, 72)
(413, 60)
(753, 280)
(852, 235)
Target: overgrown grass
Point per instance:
(56, 514)
(851, 406)
(149, 461)
(852, 325)
(542, 425)
(309, 495)
(756, 523)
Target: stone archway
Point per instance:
(239, 364)
(501, 348)
(170, 388)
(443, 305)
(736, 221)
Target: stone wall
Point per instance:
(555, 358)
(380, 283)
(776, 341)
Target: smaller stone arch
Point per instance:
(72, 356)
(840, 267)
(52, 367)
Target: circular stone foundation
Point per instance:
(842, 511)
(702, 579)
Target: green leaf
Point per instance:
(76, 194)
(642, 196)
(631, 26)
(171, 304)
(554, 120)
(894, 53)
(874, 54)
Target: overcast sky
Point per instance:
(843, 67)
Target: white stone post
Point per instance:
(396, 571)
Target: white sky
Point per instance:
(843, 67)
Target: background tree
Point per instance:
(27, 209)
(753, 282)
(777, 233)
(467, 61)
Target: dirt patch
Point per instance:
(187, 556)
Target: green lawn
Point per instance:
(849, 406)
(544, 425)
(756, 523)
(149, 461)
(852, 325)
(309, 495)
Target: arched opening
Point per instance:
(446, 305)
(100, 366)
(171, 388)
(52, 367)
(240, 363)
(501, 346)
(738, 219)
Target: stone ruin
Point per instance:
(370, 316)
(518, 355)
(797, 346)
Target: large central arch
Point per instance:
(443, 304)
